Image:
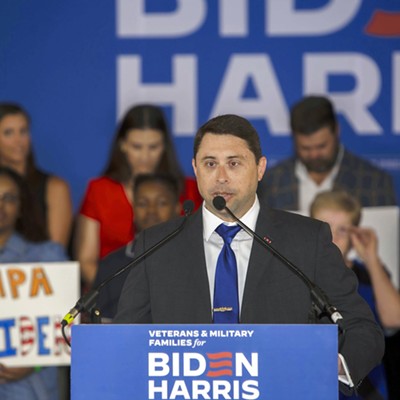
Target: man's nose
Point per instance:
(222, 175)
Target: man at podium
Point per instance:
(213, 271)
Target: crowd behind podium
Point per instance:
(142, 184)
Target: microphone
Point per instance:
(87, 301)
(320, 301)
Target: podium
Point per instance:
(144, 362)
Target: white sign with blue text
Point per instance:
(33, 298)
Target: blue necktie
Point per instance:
(226, 301)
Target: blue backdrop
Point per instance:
(77, 66)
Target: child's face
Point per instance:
(340, 223)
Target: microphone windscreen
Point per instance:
(219, 203)
(188, 206)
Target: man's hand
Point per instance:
(365, 243)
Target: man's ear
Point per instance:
(262, 166)
(194, 167)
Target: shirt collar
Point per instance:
(211, 221)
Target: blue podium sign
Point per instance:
(144, 362)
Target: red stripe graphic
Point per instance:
(26, 328)
(220, 364)
(384, 23)
(222, 372)
(223, 359)
(217, 356)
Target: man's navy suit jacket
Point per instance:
(171, 285)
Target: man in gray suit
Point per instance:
(176, 283)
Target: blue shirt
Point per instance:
(41, 385)
(18, 249)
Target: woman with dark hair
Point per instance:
(51, 200)
(16, 246)
(142, 145)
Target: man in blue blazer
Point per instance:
(176, 283)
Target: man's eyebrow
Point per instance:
(208, 158)
(228, 157)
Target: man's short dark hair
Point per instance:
(234, 125)
(311, 114)
(167, 180)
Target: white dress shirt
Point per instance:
(241, 245)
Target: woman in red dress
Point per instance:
(142, 145)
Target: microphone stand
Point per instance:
(319, 299)
(88, 301)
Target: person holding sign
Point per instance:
(211, 271)
(16, 231)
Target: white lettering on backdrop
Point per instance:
(181, 93)
(318, 68)
(281, 19)
(268, 105)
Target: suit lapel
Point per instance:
(261, 259)
(194, 258)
